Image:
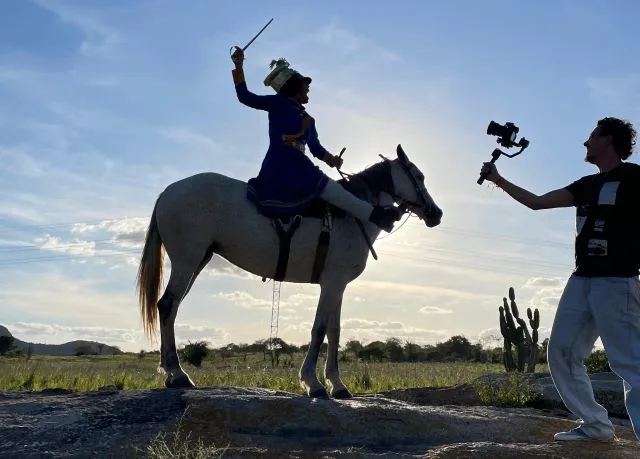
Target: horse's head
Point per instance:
(410, 191)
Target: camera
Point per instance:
(507, 138)
(506, 134)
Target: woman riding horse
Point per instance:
(288, 181)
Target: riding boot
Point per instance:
(385, 217)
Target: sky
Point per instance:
(104, 104)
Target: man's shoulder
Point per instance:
(631, 168)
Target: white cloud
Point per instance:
(366, 330)
(189, 137)
(120, 225)
(100, 39)
(60, 297)
(244, 299)
(434, 310)
(76, 247)
(56, 334)
(293, 302)
(423, 290)
(18, 162)
(547, 294)
(185, 333)
(350, 44)
(542, 282)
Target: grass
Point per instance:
(88, 373)
(178, 444)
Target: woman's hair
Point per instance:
(292, 86)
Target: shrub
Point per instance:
(194, 353)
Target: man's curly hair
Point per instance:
(622, 133)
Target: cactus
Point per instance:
(526, 343)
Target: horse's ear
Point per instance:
(402, 155)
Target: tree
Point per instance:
(457, 348)
(393, 349)
(353, 346)
(6, 344)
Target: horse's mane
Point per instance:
(363, 184)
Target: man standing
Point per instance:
(602, 295)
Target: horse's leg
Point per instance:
(330, 297)
(179, 282)
(331, 373)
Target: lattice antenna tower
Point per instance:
(275, 312)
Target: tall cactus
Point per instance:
(526, 343)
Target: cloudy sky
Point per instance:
(103, 104)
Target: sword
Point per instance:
(233, 48)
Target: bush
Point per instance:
(6, 344)
(597, 362)
(193, 353)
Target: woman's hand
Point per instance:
(333, 160)
(238, 57)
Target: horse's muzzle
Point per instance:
(433, 217)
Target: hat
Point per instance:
(281, 74)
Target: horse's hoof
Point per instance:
(181, 382)
(319, 393)
(342, 394)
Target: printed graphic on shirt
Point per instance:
(581, 218)
(597, 248)
(608, 193)
(598, 226)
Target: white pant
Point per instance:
(608, 307)
(339, 197)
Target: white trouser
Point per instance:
(339, 197)
(608, 307)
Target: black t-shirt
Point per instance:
(607, 222)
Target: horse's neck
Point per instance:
(384, 199)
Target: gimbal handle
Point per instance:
(494, 157)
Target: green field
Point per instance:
(86, 373)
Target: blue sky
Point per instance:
(103, 104)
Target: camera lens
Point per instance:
(495, 129)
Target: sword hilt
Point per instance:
(232, 50)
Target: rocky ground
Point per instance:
(259, 423)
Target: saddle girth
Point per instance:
(286, 235)
(285, 244)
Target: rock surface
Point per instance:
(262, 423)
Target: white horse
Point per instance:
(206, 214)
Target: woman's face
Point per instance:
(303, 95)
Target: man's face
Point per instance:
(596, 146)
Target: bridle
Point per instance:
(406, 204)
(387, 187)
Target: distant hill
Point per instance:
(66, 349)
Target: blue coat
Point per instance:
(288, 180)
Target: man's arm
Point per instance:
(561, 197)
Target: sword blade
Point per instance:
(257, 35)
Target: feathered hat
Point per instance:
(282, 73)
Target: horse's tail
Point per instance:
(150, 276)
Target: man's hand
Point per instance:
(333, 161)
(491, 171)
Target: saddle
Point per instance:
(286, 228)
(317, 209)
